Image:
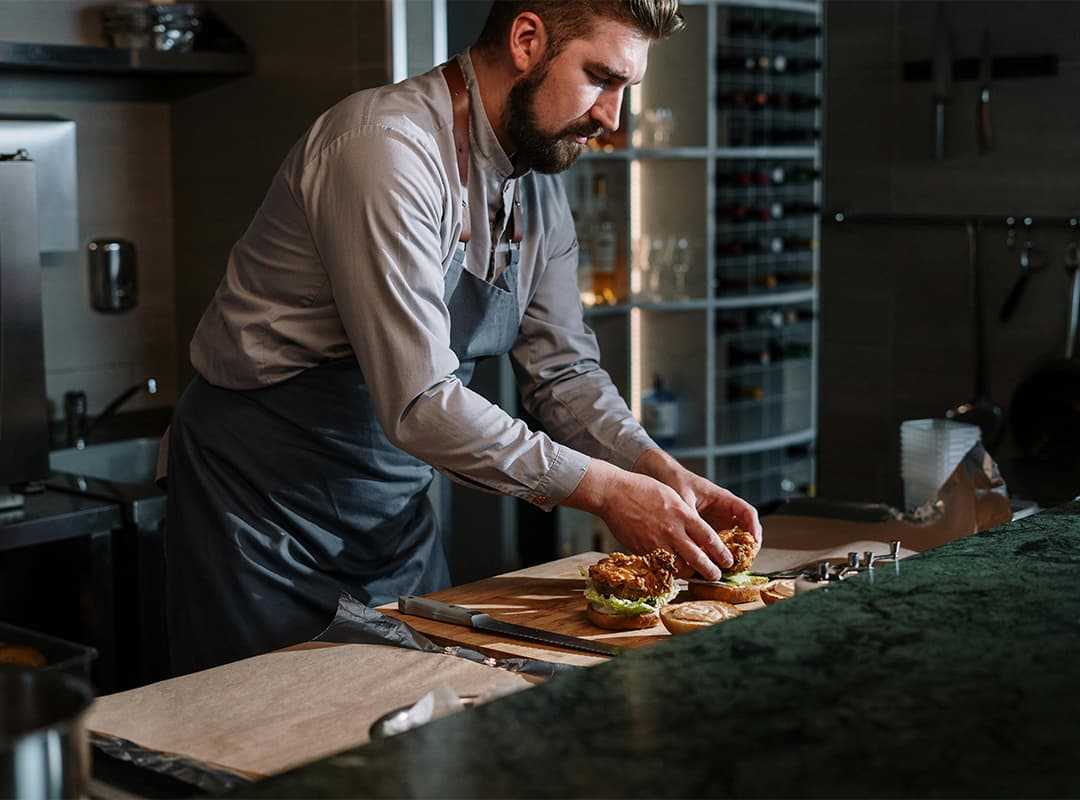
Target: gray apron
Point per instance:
(282, 497)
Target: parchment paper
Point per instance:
(272, 712)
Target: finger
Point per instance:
(750, 521)
(714, 554)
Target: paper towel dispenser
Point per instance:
(50, 142)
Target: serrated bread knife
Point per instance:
(459, 615)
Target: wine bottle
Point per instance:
(794, 32)
(789, 101)
(739, 26)
(741, 356)
(734, 213)
(792, 175)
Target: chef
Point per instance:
(413, 230)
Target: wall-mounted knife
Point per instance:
(942, 76)
(983, 128)
(459, 615)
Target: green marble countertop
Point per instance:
(953, 674)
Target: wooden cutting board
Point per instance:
(548, 596)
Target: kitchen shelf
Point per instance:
(748, 282)
(88, 72)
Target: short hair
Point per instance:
(566, 20)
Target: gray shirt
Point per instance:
(346, 256)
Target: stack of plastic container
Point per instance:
(930, 449)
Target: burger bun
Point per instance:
(777, 591)
(621, 622)
(725, 592)
(694, 614)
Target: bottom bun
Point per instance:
(705, 590)
(621, 622)
(777, 591)
(686, 617)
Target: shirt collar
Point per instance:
(483, 136)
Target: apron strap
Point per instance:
(459, 95)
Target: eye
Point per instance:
(600, 81)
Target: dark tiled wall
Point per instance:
(181, 179)
(897, 339)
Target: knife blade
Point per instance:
(459, 615)
(942, 69)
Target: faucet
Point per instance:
(75, 419)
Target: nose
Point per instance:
(607, 109)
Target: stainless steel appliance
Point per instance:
(24, 436)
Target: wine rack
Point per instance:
(715, 184)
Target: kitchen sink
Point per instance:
(127, 461)
(123, 471)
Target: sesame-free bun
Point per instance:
(777, 591)
(725, 592)
(621, 622)
(694, 614)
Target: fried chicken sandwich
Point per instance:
(626, 592)
(737, 585)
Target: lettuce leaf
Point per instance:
(744, 579)
(620, 605)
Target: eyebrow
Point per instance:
(608, 72)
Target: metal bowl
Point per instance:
(44, 750)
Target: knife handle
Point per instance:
(433, 609)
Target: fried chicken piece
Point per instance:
(634, 577)
(743, 546)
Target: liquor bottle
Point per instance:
(604, 246)
(584, 239)
(660, 414)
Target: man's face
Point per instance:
(562, 102)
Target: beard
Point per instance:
(543, 152)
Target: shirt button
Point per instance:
(540, 499)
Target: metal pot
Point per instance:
(44, 750)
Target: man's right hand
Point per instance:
(643, 513)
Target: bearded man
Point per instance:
(413, 230)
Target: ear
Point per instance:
(528, 41)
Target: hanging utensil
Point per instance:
(1031, 259)
(983, 127)
(942, 76)
(981, 410)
